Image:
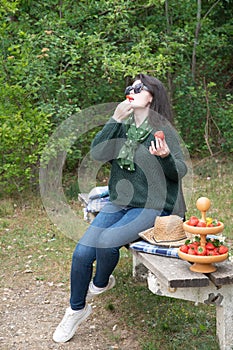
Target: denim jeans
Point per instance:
(112, 228)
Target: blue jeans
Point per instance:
(112, 228)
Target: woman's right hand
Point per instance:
(123, 110)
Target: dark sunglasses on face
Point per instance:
(137, 88)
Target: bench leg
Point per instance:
(140, 272)
(224, 319)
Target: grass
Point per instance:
(30, 243)
(160, 322)
(213, 179)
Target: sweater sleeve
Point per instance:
(173, 165)
(107, 142)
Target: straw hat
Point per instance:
(167, 231)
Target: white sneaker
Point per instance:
(93, 291)
(69, 324)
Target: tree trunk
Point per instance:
(198, 27)
(169, 75)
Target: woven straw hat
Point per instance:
(167, 231)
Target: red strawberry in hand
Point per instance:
(159, 134)
(129, 97)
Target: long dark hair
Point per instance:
(160, 103)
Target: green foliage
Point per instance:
(205, 124)
(23, 132)
(58, 58)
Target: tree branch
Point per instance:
(197, 31)
(198, 28)
(207, 119)
(211, 8)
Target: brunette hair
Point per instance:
(160, 102)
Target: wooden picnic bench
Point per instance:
(171, 277)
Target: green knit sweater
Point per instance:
(156, 181)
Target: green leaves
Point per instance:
(22, 137)
(58, 58)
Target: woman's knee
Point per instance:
(108, 253)
(84, 254)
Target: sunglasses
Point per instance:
(137, 88)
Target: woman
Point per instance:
(145, 182)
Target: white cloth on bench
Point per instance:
(145, 247)
(97, 198)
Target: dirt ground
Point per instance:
(30, 311)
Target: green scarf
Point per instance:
(134, 136)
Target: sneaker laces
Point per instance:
(68, 320)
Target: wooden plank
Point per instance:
(174, 272)
(223, 275)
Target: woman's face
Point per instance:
(142, 98)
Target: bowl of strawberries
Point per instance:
(203, 255)
(203, 250)
(207, 226)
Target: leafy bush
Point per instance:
(205, 122)
(23, 133)
(61, 57)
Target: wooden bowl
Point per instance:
(203, 230)
(202, 264)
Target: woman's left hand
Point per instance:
(160, 148)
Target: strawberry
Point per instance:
(201, 250)
(192, 251)
(193, 221)
(210, 252)
(184, 248)
(201, 224)
(215, 252)
(222, 249)
(209, 246)
(193, 245)
(159, 134)
(129, 97)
